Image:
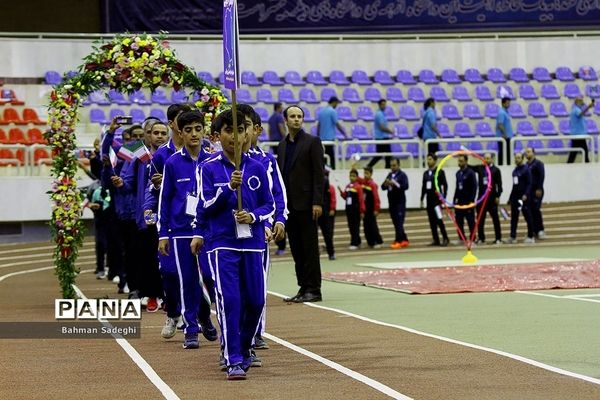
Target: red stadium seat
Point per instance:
(35, 136)
(3, 137)
(20, 153)
(8, 95)
(16, 136)
(7, 157)
(31, 116)
(12, 116)
(42, 156)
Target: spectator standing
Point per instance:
(327, 219)
(578, 126)
(434, 210)
(382, 132)
(355, 208)
(504, 130)
(491, 205)
(429, 126)
(396, 185)
(466, 190)
(520, 199)
(327, 125)
(276, 125)
(538, 174)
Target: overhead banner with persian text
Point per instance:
(345, 16)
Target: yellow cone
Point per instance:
(469, 258)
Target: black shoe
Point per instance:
(332, 257)
(308, 298)
(209, 331)
(293, 298)
(445, 243)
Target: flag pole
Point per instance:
(238, 148)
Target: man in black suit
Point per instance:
(466, 190)
(300, 158)
(491, 206)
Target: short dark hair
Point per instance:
(432, 155)
(395, 159)
(277, 105)
(505, 99)
(175, 109)
(353, 171)
(466, 157)
(134, 127)
(285, 112)
(381, 101)
(190, 117)
(226, 119)
(250, 112)
(368, 168)
(428, 103)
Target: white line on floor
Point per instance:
(156, 380)
(449, 340)
(16, 264)
(583, 296)
(28, 271)
(340, 368)
(41, 255)
(553, 296)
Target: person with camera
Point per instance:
(578, 126)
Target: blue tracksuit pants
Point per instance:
(266, 266)
(170, 283)
(240, 295)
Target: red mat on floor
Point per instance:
(488, 278)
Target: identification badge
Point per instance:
(515, 180)
(191, 205)
(428, 185)
(242, 231)
(348, 201)
(485, 180)
(460, 186)
(438, 212)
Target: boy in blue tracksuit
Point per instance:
(277, 187)
(235, 241)
(176, 212)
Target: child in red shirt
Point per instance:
(372, 207)
(355, 207)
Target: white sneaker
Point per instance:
(512, 241)
(170, 328)
(498, 242)
(101, 275)
(529, 240)
(377, 246)
(541, 235)
(144, 301)
(180, 323)
(126, 289)
(116, 279)
(353, 248)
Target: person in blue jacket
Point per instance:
(235, 240)
(176, 211)
(520, 199)
(430, 129)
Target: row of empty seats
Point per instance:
(29, 116)
(18, 136)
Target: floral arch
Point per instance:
(126, 64)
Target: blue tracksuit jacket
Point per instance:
(158, 162)
(275, 183)
(124, 201)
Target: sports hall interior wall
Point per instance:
(50, 16)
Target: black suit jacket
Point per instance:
(304, 180)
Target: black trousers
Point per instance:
(127, 236)
(330, 151)
(398, 214)
(582, 144)
(492, 209)
(469, 215)
(435, 223)
(371, 229)
(353, 217)
(101, 242)
(501, 153)
(303, 237)
(514, 218)
(537, 221)
(327, 224)
(382, 148)
(147, 263)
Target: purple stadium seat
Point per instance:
(491, 110)
(408, 113)
(516, 111)
(405, 77)
(475, 146)
(345, 113)
(592, 90)
(138, 97)
(160, 97)
(244, 96)
(449, 111)
(592, 127)
(402, 132)
(52, 78)
(416, 94)
(564, 74)
(519, 147)
(221, 78)
(365, 113)
(415, 129)
(390, 114)
(547, 128)
(372, 94)
(587, 73)
(549, 92)
(327, 93)
(556, 144)
(263, 113)
(484, 129)
(206, 77)
(463, 130)
(271, 78)
(597, 108)
(293, 78)
(453, 146)
(360, 132)
(535, 144)
(524, 128)
(536, 110)
(308, 117)
(307, 95)
(264, 96)
(383, 78)
(179, 96)
(439, 94)
(158, 113)
(473, 75)
(444, 131)
(428, 76)
(116, 112)
(338, 77)
(249, 78)
(564, 127)
(558, 109)
(396, 148)
(318, 111)
(97, 116)
(472, 111)
(118, 98)
(99, 98)
(496, 75)
(518, 75)
(137, 115)
(483, 93)
(352, 150)
(572, 90)
(504, 91)
(413, 148)
(287, 96)
(316, 78)
(527, 92)
(450, 76)
(541, 74)
(351, 95)
(395, 94)
(460, 93)
(361, 78)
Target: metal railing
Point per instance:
(346, 143)
(588, 138)
(501, 141)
